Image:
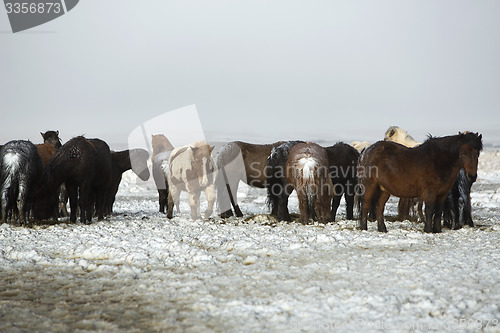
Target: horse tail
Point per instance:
(358, 198)
(274, 184)
(310, 181)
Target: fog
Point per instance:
(256, 70)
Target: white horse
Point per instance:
(398, 135)
(360, 145)
(191, 169)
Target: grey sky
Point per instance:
(258, 70)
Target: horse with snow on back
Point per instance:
(427, 172)
(308, 172)
(20, 170)
(84, 165)
(191, 169)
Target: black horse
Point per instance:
(457, 209)
(84, 165)
(121, 161)
(278, 187)
(20, 170)
(160, 170)
(343, 161)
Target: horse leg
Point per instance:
(366, 204)
(173, 199)
(84, 198)
(382, 199)
(20, 204)
(194, 203)
(3, 197)
(72, 192)
(336, 204)
(438, 209)
(210, 194)
(429, 211)
(303, 207)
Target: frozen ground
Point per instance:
(139, 272)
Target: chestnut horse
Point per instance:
(308, 173)
(237, 161)
(427, 172)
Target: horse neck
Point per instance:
(122, 160)
(445, 155)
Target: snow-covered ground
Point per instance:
(139, 271)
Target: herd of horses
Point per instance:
(37, 180)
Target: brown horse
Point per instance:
(427, 172)
(46, 152)
(237, 161)
(160, 143)
(308, 172)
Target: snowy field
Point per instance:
(139, 272)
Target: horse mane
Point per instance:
(453, 142)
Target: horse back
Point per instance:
(255, 160)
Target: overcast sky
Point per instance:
(256, 70)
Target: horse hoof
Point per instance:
(226, 214)
(384, 229)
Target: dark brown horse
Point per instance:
(308, 173)
(161, 153)
(121, 161)
(84, 165)
(52, 138)
(427, 172)
(237, 161)
(343, 162)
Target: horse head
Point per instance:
(139, 163)
(202, 163)
(160, 143)
(52, 138)
(470, 146)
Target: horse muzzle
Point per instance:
(472, 178)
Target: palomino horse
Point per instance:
(20, 170)
(191, 169)
(121, 161)
(308, 173)
(161, 152)
(427, 172)
(237, 161)
(397, 134)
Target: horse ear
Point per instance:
(57, 133)
(41, 134)
(211, 149)
(480, 136)
(460, 133)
